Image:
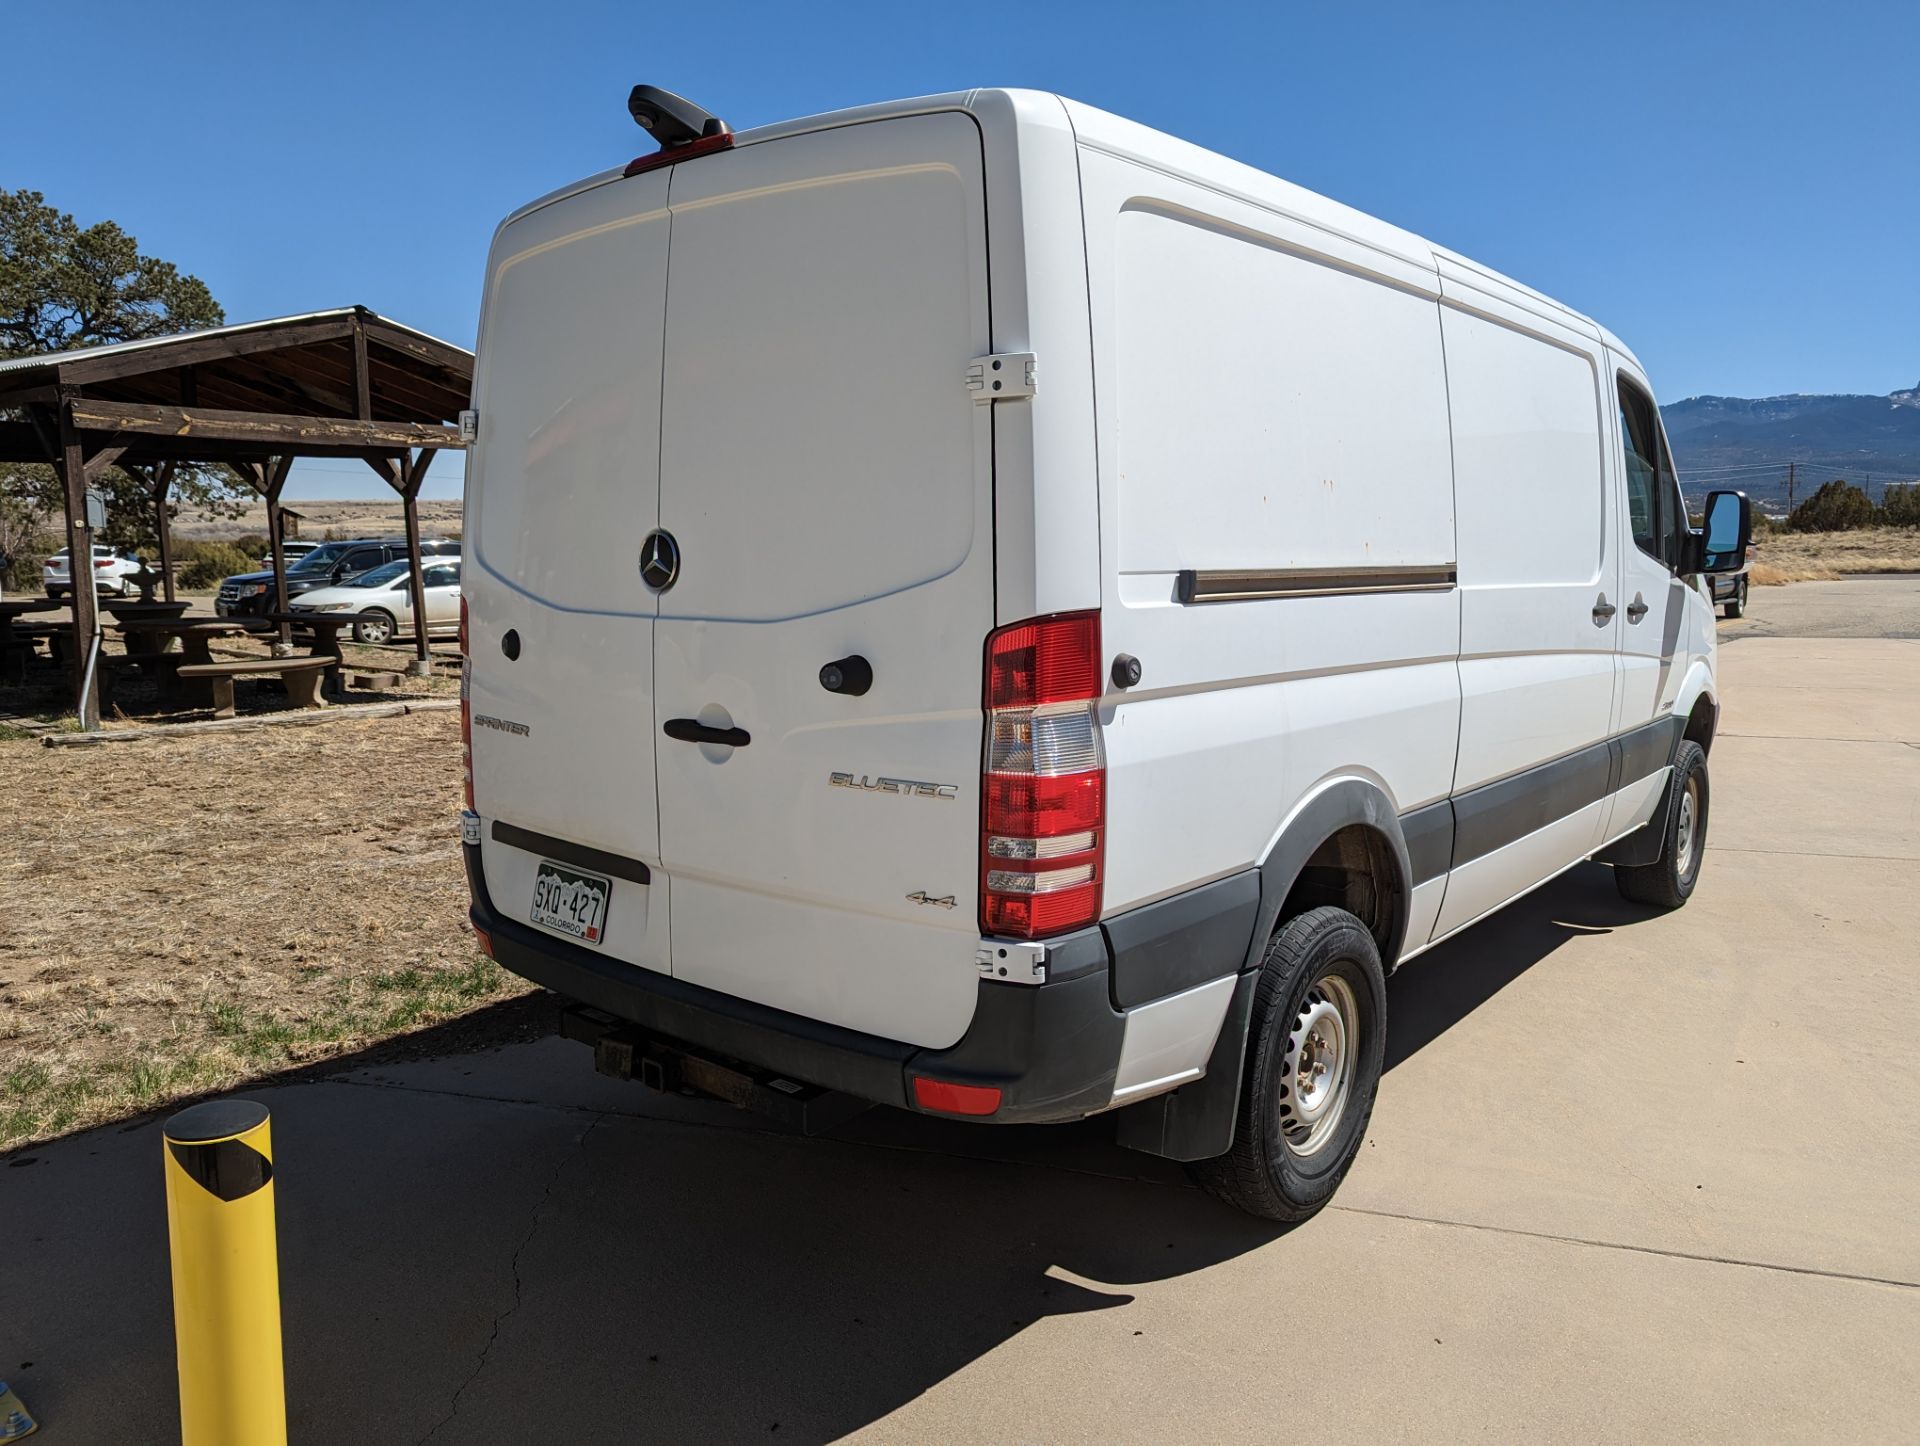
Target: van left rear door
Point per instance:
(562, 492)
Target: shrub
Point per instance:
(1901, 505)
(204, 564)
(1837, 507)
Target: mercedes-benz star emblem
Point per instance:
(659, 560)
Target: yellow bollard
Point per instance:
(226, 1275)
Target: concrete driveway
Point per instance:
(1629, 1178)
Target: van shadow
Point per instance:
(1436, 991)
(495, 1244)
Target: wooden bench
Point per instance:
(301, 675)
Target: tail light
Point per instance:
(669, 155)
(1044, 785)
(103, 562)
(466, 711)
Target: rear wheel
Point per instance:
(1318, 1036)
(374, 627)
(1737, 604)
(1668, 882)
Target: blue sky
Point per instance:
(1735, 189)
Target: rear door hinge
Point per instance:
(1011, 963)
(1001, 377)
(469, 426)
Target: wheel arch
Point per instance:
(1698, 705)
(1347, 826)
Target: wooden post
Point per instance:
(72, 463)
(162, 485)
(415, 473)
(276, 479)
(362, 373)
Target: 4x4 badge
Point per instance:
(659, 560)
(921, 896)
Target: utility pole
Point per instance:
(1789, 489)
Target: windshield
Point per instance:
(320, 559)
(383, 575)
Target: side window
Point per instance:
(1673, 508)
(1644, 447)
(362, 558)
(442, 576)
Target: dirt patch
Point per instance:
(348, 517)
(178, 916)
(1784, 557)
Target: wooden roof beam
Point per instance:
(278, 429)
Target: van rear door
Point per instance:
(562, 490)
(828, 479)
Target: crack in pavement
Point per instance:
(533, 1229)
(1745, 1264)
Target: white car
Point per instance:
(381, 601)
(114, 570)
(1038, 619)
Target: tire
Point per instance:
(1321, 963)
(1737, 604)
(374, 627)
(1668, 882)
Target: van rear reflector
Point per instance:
(668, 155)
(955, 1099)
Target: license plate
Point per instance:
(572, 902)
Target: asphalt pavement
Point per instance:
(1630, 1177)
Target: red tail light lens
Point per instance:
(955, 1099)
(1048, 660)
(670, 155)
(1044, 783)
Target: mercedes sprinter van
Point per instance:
(978, 606)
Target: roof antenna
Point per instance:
(673, 120)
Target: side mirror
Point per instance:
(1727, 527)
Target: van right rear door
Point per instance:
(828, 477)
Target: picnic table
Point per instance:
(325, 628)
(148, 637)
(16, 646)
(193, 675)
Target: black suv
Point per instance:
(251, 593)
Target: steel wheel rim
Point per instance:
(1686, 834)
(1316, 1075)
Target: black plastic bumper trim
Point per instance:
(1053, 1049)
(1178, 943)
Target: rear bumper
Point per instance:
(1053, 1049)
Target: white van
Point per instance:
(979, 606)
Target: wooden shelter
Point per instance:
(252, 398)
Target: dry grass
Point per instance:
(439, 517)
(180, 915)
(1823, 556)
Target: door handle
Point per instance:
(1637, 609)
(690, 730)
(1603, 612)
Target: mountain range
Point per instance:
(1869, 441)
